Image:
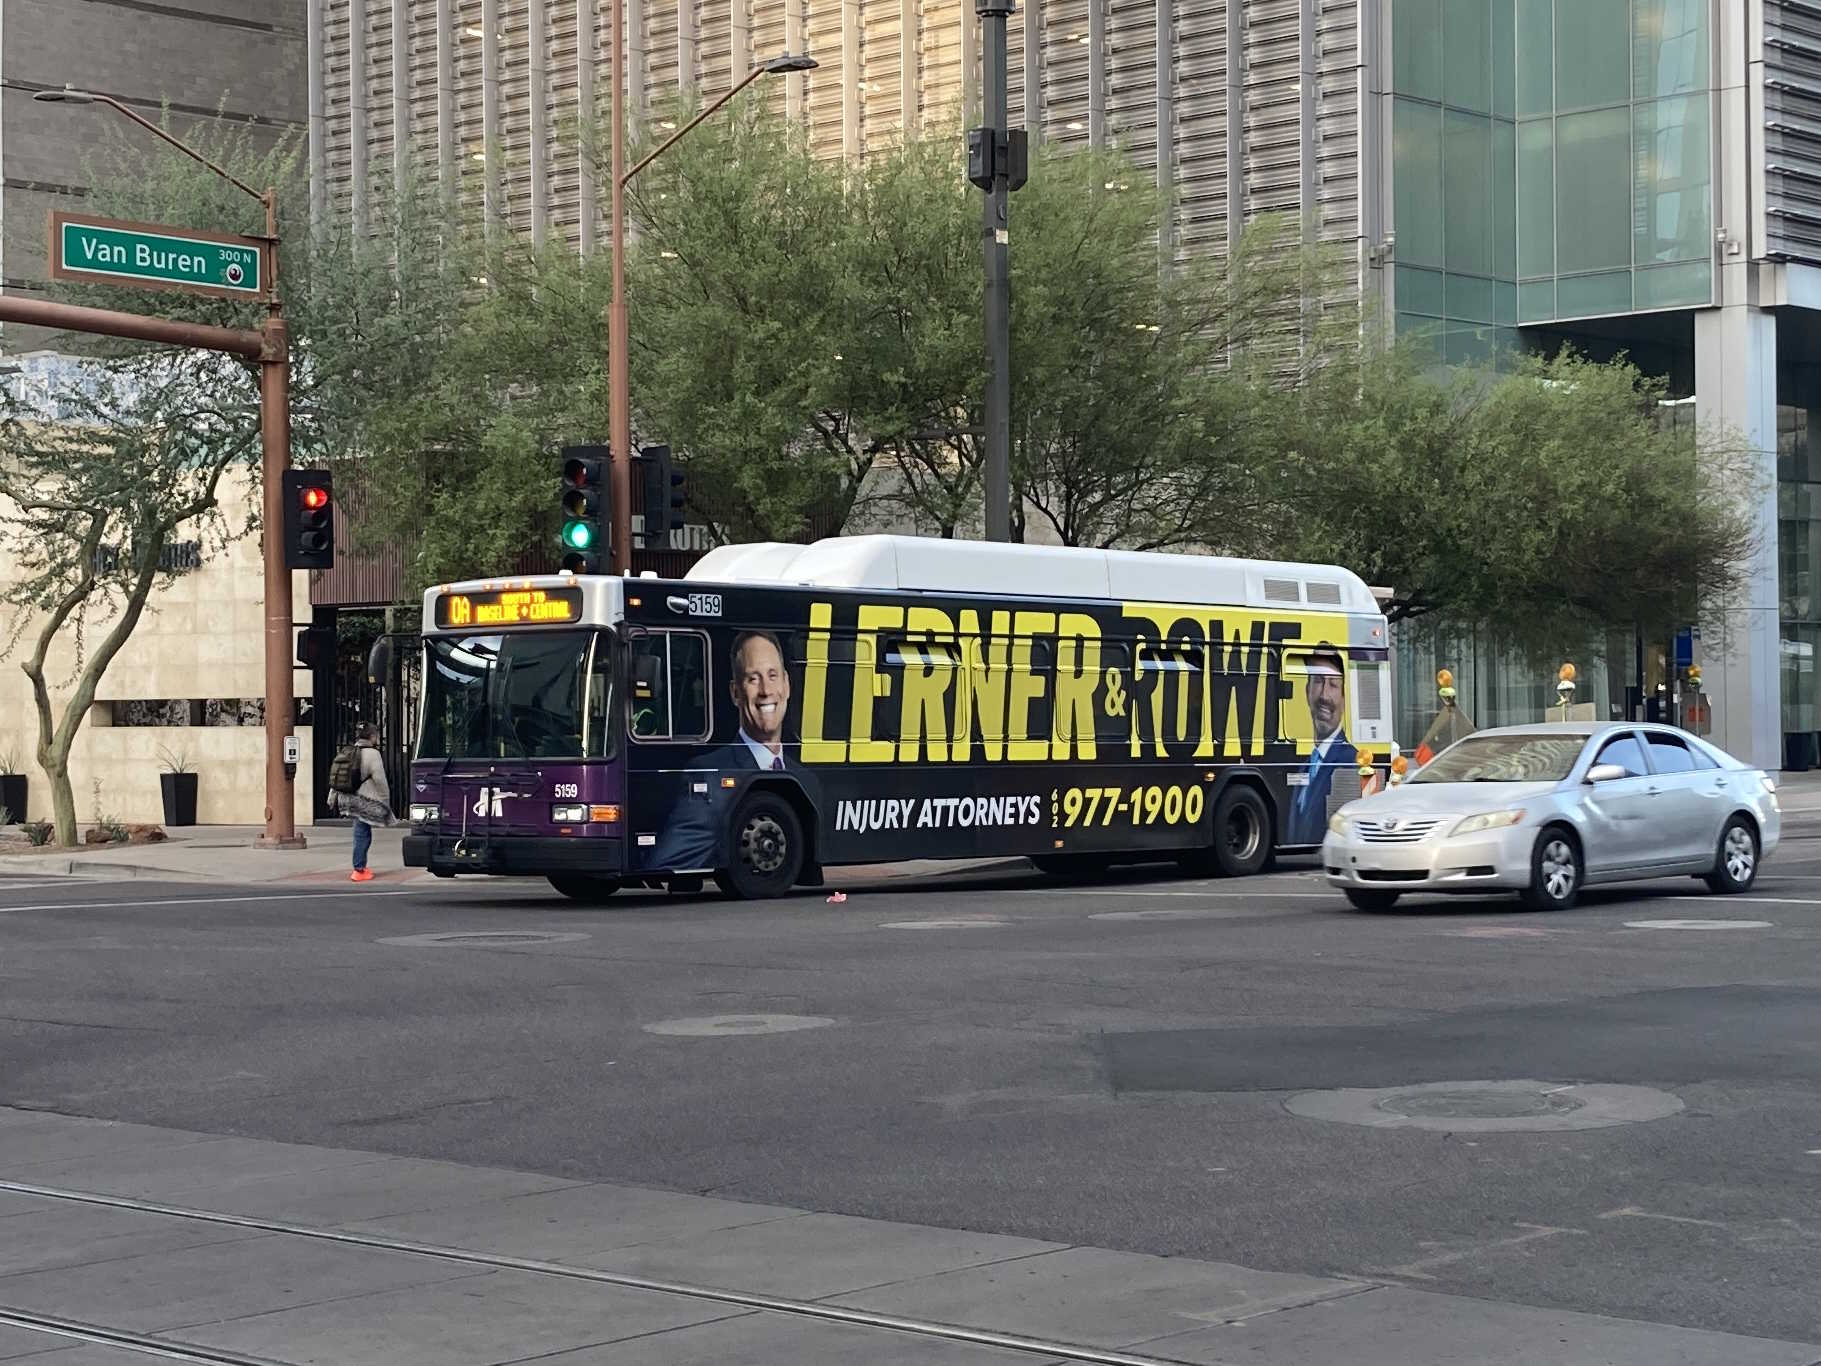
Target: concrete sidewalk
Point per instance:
(150, 1240)
(229, 854)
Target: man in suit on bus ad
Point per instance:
(759, 684)
(1333, 752)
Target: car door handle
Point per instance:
(1719, 782)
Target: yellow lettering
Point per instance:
(816, 750)
(980, 687)
(1077, 678)
(1027, 686)
(868, 683)
(926, 680)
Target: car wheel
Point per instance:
(1736, 867)
(765, 848)
(582, 887)
(1366, 899)
(1555, 871)
(1241, 833)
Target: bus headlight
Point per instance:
(422, 813)
(569, 813)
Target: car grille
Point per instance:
(1409, 830)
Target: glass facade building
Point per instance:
(1550, 162)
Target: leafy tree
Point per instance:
(741, 294)
(1550, 498)
(146, 436)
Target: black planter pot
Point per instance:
(12, 796)
(179, 798)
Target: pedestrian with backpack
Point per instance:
(358, 789)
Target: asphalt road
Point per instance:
(1090, 1064)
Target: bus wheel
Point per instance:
(1242, 832)
(765, 848)
(582, 887)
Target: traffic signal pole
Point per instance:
(619, 363)
(274, 460)
(992, 15)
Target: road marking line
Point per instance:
(1531, 1234)
(1634, 1212)
(1768, 900)
(1114, 891)
(198, 901)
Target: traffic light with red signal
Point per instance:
(309, 519)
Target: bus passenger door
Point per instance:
(671, 792)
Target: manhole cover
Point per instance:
(1697, 924)
(484, 939)
(1488, 1106)
(709, 1026)
(1479, 1104)
(943, 924)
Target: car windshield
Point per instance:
(1504, 759)
(535, 695)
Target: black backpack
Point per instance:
(344, 770)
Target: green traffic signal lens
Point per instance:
(578, 535)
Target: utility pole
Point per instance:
(997, 162)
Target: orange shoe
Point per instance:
(361, 875)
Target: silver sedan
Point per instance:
(1545, 810)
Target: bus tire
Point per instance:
(1242, 835)
(584, 887)
(765, 848)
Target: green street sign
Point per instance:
(150, 256)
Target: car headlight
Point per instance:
(569, 814)
(422, 813)
(1340, 822)
(1487, 820)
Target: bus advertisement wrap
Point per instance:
(919, 726)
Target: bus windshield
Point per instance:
(544, 694)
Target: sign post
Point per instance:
(111, 251)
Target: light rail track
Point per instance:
(1037, 1348)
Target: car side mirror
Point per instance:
(1605, 773)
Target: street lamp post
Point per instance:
(619, 363)
(275, 457)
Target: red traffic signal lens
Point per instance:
(315, 498)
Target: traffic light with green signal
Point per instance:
(585, 509)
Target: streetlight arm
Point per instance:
(687, 128)
(183, 147)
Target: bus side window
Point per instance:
(689, 686)
(650, 700)
(1115, 655)
(882, 658)
(1038, 721)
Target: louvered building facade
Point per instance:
(1237, 108)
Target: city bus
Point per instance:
(788, 708)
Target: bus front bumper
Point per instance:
(515, 855)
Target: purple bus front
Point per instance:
(520, 765)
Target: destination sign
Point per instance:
(150, 256)
(510, 607)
